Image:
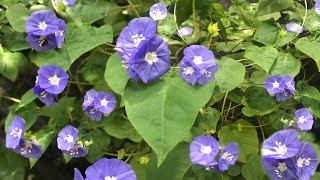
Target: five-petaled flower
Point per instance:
(306, 161)
(294, 27)
(304, 119)
(15, 132)
(158, 11)
(229, 155)
(67, 138)
(184, 31)
(279, 169)
(280, 86)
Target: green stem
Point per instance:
(10, 98)
(133, 8)
(222, 110)
(84, 83)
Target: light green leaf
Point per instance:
(253, 170)
(101, 141)
(208, 119)
(246, 16)
(115, 74)
(267, 34)
(271, 6)
(264, 56)
(246, 137)
(310, 48)
(312, 22)
(12, 166)
(26, 99)
(11, 63)
(163, 111)
(17, 15)
(285, 64)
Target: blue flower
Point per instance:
(42, 23)
(229, 155)
(198, 65)
(60, 33)
(294, 27)
(77, 175)
(158, 11)
(89, 98)
(93, 113)
(67, 138)
(77, 151)
(66, 2)
(28, 149)
(280, 86)
(280, 169)
(184, 31)
(47, 98)
(306, 161)
(317, 7)
(42, 43)
(15, 132)
(304, 119)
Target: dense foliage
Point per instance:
(234, 81)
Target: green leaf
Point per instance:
(208, 119)
(264, 56)
(309, 96)
(12, 166)
(79, 40)
(246, 137)
(160, 114)
(17, 15)
(310, 48)
(271, 6)
(115, 74)
(17, 45)
(183, 9)
(253, 170)
(247, 17)
(312, 22)
(44, 138)
(100, 143)
(26, 99)
(11, 63)
(173, 167)
(267, 34)
(93, 68)
(285, 64)
(230, 74)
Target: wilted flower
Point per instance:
(198, 65)
(67, 138)
(45, 97)
(229, 155)
(281, 86)
(66, 2)
(42, 23)
(77, 151)
(294, 27)
(281, 145)
(110, 169)
(279, 169)
(184, 31)
(158, 11)
(42, 43)
(15, 132)
(28, 149)
(304, 119)
(317, 7)
(52, 79)
(305, 161)
(77, 175)
(203, 150)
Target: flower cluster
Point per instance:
(158, 11)
(204, 150)
(284, 157)
(67, 142)
(107, 169)
(144, 54)
(51, 81)
(96, 104)
(294, 27)
(280, 86)
(45, 30)
(15, 140)
(198, 65)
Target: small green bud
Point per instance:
(61, 7)
(144, 160)
(213, 29)
(282, 33)
(121, 153)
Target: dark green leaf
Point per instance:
(17, 15)
(253, 170)
(264, 56)
(183, 9)
(285, 64)
(271, 6)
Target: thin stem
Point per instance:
(10, 98)
(133, 8)
(304, 18)
(85, 83)
(222, 110)
(262, 132)
(123, 7)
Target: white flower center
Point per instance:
(42, 25)
(206, 149)
(68, 138)
(137, 38)
(188, 71)
(205, 73)
(151, 57)
(110, 178)
(59, 33)
(281, 149)
(303, 162)
(27, 147)
(289, 84)
(36, 80)
(103, 102)
(16, 132)
(197, 60)
(54, 80)
(89, 100)
(43, 94)
(302, 119)
(275, 85)
(296, 27)
(280, 169)
(284, 93)
(227, 156)
(93, 110)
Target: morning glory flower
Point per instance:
(281, 145)
(52, 79)
(105, 102)
(306, 161)
(45, 97)
(60, 33)
(229, 155)
(110, 169)
(93, 113)
(294, 27)
(66, 2)
(158, 11)
(203, 150)
(89, 98)
(15, 132)
(42, 23)
(304, 119)
(77, 175)
(280, 86)
(317, 7)
(67, 138)
(77, 151)
(279, 169)
(42, 43)
(151, 59)
(28, 149)
(198, 65)
(184, 31)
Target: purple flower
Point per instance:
(45, 97)
(151, 59)
(52, 79)
(306, 161)
(105, 102)
(67, 138)
(77, 151)
(42, 43)
(203, 150)
(42, 23)
(77, 175)
(15, 132)
(184, 31)
(198, 65)
(279, 169)
(110, 169)
(89, 98)
(304, 119)
(66, 2)
(317, 7)
(281, 145)
(281, 86)
(294, 27)
(229, 155)
(93, 113)
(28, 149)
(158, 11)
(60, 34)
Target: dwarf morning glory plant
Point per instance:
(229, 155)
(198, 65)
(67, 138)
(28, 149)
(294, 27)
(280, 86)
(304, 119)
(158, 11)
(184, 31)
(15, 132)
(279, 169)
(306, 161)
(42, 23)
